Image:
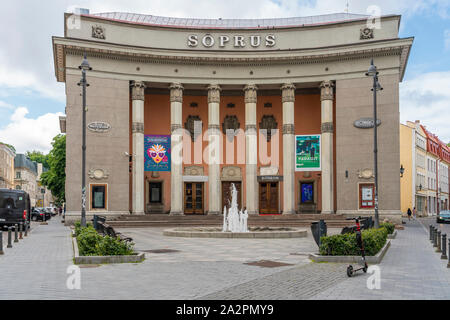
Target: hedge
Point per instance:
(390, 227)
(91, 243)
(345, 244)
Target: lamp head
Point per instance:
(85, 64)
(372, 70)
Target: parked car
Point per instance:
(14, 207)
(38, 214)
(443, 217)
(51, 210)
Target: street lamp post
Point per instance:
(372, 72)
(83, 67)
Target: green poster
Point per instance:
(307, 153)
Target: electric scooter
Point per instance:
(359, 242)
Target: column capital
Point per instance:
(326, 90)
(137, 90)
(214, 93)
(176, 92)
(250, 93)
(288, 92)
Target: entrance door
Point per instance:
(268, 198)
(226, 193)
(193, 198)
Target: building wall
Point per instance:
(406, 159)
(108, 100)
(27, 183)
(6, 167)
(354, 147)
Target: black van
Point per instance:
(14, 207)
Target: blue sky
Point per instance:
(31, 100)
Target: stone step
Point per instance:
(161, 217)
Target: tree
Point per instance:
(55, 178)
(39, 157)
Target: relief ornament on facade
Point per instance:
(98, 32)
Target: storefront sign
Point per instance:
(269, 178)
(308, 153)
(157, 153)
(99, 126)
(237, 41)
(365, 123)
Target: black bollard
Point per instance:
(26, 228)
(16, 233)
(1, 242)
(438, 248)
(448, 264)
(431, 232)
(435, 238)
(20, 231)
(444, 247)
(9, 238)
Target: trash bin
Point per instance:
(318, 230)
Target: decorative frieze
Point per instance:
(189, 125)
(176, 92)
(267, 124)
(326, 90)
(250, 93)
(288, 129)
(98, 174)
(230, 126)
(193, 171)
(137, 127)
(231, 173)
(138, 90)
(365, 174)
(214, 93)
(288, 92)
(327, 127)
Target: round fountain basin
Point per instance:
(254, 233)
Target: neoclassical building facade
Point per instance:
(180, 109)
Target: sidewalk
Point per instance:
(411, 269)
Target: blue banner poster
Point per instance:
(157, 153)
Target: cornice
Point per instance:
(294, 58)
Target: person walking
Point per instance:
(409, 214)
(414, 213)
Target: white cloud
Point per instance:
(427, 98)
(4, 105)
(27, 134)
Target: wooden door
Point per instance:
(226, 193)
(268, 197)
(193, 198)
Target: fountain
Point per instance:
(235, 226)
(236, 221)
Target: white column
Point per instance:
(251, 149)
(327, 146)
(214, 144)
(176, 175)
(137, 96)
(288, 99)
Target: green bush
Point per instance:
(390, 227)
(345, 244)
(78, 227)
(90, 243)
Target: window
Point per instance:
(155, 189)
(307, 192)
(99, 196)
(367, 196)
(18, 175)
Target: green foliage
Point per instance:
(55, 178)
(90, 243)
(9, 146)
(345, 244)
(390, 227)
(39, 157)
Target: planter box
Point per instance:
(352, 259)
(393, 235)
(138, 257)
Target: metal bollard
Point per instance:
(438, 248)
(448, 264)
(435, 238)
(20, 231)
(16, 238)
(444, 247)
(1, 242)
(431, 232)
(9, 238)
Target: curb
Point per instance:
(393, 235)
(138, 257)
(352, 259)
(184, 232)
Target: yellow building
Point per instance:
(6, 167)
(406, 161)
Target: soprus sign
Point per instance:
(99, 126)
(365, 123)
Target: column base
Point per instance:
(327, 212)
(213, 213)
(253, 212)
(176, 213)
(138, 213)
(289, 212)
